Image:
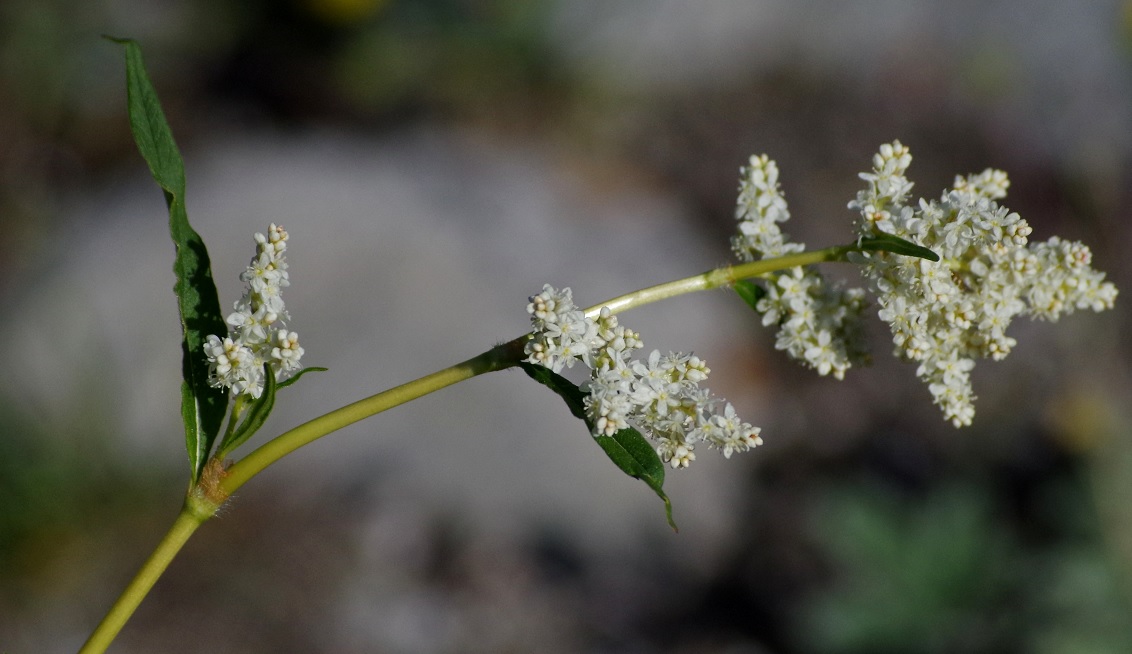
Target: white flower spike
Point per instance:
(236, 360)
(818, 322)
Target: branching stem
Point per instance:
(217, 485)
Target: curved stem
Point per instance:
(217, 484)
(497, 358)
(191, 517)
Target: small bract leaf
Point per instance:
(202, 406)
(566, 389)
(295, 377)
(257, 413)
(631, 452)
(884, 242)
(628, 449)
(750, 292)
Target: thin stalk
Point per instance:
(497, 358)
(183, 527)
(718, 277)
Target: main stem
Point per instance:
(217, 484)
(183, 527)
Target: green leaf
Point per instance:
(631, 452)
(255, 416)
(202, 407)
(302, 372)
(573, 396)
(628, 449)
(884, 242)
(750, 292)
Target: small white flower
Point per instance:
(727, 432)
(563, 335)
(286, 353)
(608, 402)
(821, 354)
(676, 454)
(227, 359)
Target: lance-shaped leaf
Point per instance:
(628, 449)
(295, 378)
(202, 407)
(884, 242)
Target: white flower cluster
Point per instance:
(818, 322)
(661, 395)
(944, 315)
(236, 361)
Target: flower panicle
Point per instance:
(660, 395)
(256, 334)
(944, 315)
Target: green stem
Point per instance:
(718, 277)
(497, 358)
(193, 514)
(216, 485)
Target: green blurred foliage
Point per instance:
(947, 571)
(446, 54)
(910, 578)
(55, 490)
(373, 64)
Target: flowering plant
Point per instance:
(948, 276)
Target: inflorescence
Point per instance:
(944, 315)
(660, 395)
(256, 336)
(819, 322)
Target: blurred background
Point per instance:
(435, 163)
